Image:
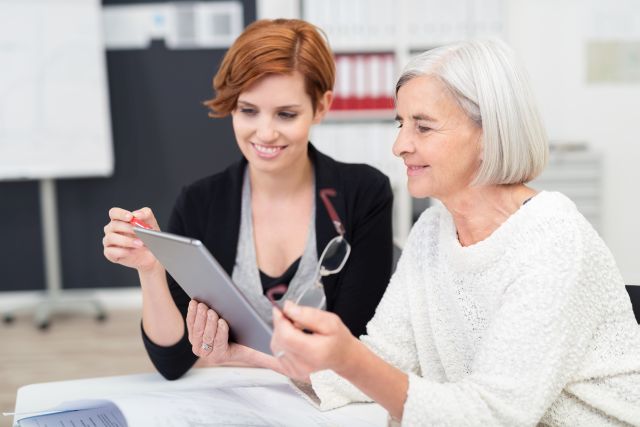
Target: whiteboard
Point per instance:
(54, 109)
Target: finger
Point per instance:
(310, 318)
(207, 346)
(191, 318)
(146, 214)
(211, 327)
(287, 337)
(115, 254)
(120, 214)
(117, 226)
(205, 350)
(198, 327)
(121, 241)
(221, 340)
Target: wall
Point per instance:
(550, 36)
(163, 139)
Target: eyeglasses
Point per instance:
(333, 258)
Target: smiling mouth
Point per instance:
(268, 150)
(413, 170)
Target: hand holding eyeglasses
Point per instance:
(327, 347)
(299, 357)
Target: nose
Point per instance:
(266, 132)
(402, 144)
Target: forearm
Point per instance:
(161, 319)
(376, 378)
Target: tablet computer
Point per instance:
(203, 279)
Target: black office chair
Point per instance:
(634, 295)
(397, 251)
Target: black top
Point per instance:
(285, 278)
(209, 210)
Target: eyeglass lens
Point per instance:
(334, 255)
(312, 296)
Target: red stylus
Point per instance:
(140, 223)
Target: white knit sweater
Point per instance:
(532, 325)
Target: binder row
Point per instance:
(381, 24)
(355, 23)
(364, 81)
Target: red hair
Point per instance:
(279, 46)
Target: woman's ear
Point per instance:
(323, 106)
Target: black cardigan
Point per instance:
(209, 210)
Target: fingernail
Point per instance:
(138, 242)
(210, 314)
(128, 216)
(293, 309)
(137, 213)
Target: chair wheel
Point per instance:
(8, 319)
(101, 317)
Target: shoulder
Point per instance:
(217, 185)
(196, 200)
(553, 233)
(553, 218)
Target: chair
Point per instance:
(397, 251)
(634, 295)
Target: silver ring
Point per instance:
(206, 347)
(279, 354)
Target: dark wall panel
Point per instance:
(163, 139)
(21, 250)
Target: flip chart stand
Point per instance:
(55, 300)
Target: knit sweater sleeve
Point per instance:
(388, 335)
(536, 341)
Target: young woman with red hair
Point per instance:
(263, 218)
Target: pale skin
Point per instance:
(441, 148)
(271, 124)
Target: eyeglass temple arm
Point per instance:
(324, 195)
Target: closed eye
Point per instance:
(287, 115)
(248, 111)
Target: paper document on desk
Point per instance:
(96, 413)
(246, 405)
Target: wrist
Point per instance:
(241, 355)
(351, 358)
(151, 270)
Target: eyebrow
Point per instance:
(424, 117)
(282, 107)
(417, 117)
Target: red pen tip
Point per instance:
(140, 223)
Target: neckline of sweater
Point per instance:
(493, 247)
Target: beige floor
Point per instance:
(76, 346)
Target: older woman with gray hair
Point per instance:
(506, 307)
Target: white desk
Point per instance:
(37, 397)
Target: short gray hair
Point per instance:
(492, 88)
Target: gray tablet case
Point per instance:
(203, 279)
